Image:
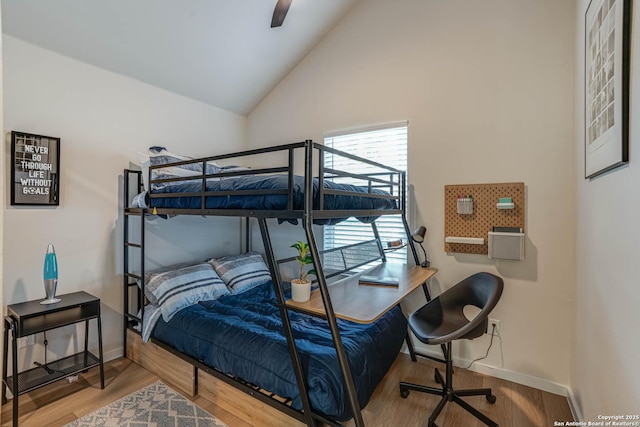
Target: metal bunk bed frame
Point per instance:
(307, 215)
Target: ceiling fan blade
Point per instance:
(282, 7)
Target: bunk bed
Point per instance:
(327, 375)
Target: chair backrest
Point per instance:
(442, 319)
(482, 290)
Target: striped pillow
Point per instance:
(150, 275)
(176, 289)
(242, 272)
(152, 314)
(161, 156)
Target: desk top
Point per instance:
(31, 308)
(366, 303)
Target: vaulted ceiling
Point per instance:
(221, 52)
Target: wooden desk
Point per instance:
(366, 303)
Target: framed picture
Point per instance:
(35, 169)
(607, 52)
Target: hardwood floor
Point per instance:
(60, 403)
(517, 405)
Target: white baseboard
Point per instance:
(505, 374)
(113, 354)
(573, 405)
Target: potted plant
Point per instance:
(301, 287)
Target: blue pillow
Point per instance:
(242, 272)
(176, 289)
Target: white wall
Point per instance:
(487, 88)
(103, 119)
(605, 373)
(2, 187)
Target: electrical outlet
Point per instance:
(491, 329)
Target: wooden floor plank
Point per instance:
(517, 405)
(526, 406)
(500, 411)
(556, 408)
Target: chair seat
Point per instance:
(430, 328)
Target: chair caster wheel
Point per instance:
(491, 398)
(404, 392)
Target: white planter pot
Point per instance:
(300, 290)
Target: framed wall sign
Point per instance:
(35, 169)
(607, 54)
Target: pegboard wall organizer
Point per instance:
(486, 214)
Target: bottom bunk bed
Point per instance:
(242, 336)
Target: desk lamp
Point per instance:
(418, 237)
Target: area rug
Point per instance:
(153, 406)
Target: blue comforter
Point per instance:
(267, 201)
(242, 335)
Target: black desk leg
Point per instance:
(5, 353)
(425, 288)
(14, 363)
(100, 350)
(412, 351)
(86, 344)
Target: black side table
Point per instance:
(31, 317)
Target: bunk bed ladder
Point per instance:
(129, 278)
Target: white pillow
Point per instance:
(142, 157)
(144, 161)
(161, 156)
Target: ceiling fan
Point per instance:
(279, 13)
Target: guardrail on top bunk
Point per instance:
(383, 177)
(371, 178)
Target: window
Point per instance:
(386, 144)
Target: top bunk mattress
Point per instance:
(242, 335)
(260, 195)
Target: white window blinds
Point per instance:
(386, 144)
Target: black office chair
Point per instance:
(441, 321)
